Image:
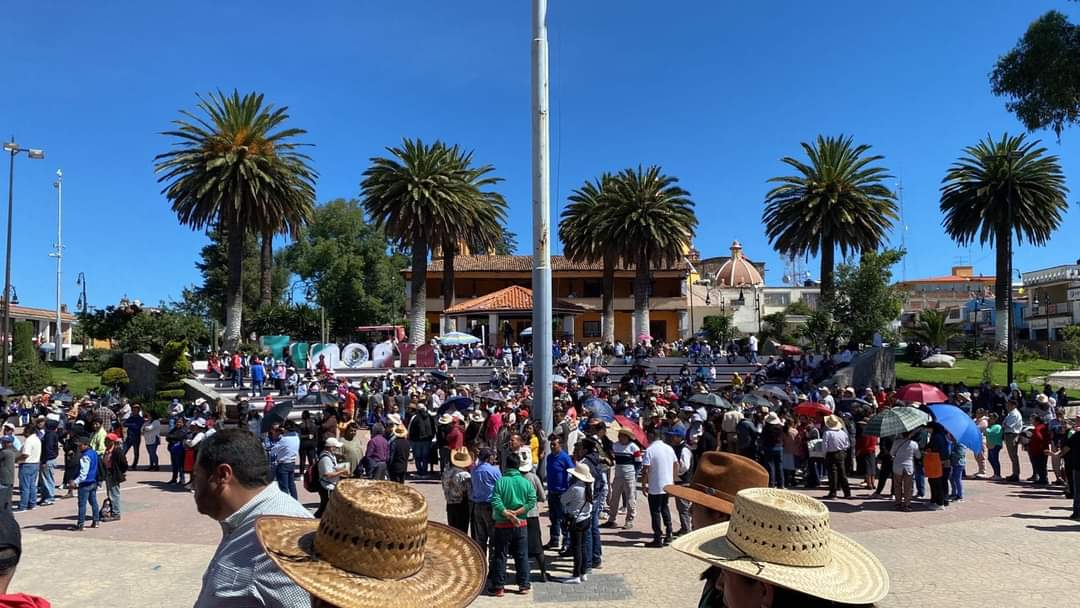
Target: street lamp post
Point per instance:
(58, 342)
(13, 149)
(82, 304)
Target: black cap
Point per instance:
(10, 538)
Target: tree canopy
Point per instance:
(866, 300)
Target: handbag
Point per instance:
(816, 448)
(932, 465)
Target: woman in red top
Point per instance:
(1038, 449)
(866, 452)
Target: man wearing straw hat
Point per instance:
(232, 485)
(779, 550)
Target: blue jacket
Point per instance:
(92, 469)
(558, 480)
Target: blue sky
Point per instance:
(714, 92)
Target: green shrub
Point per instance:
(157, 409)
(169, 395)
(28, 377)
(97, 360)
(115, 376)
(22, 346)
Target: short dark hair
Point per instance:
(239, 449)
(513, 461)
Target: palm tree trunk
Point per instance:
(418, 294)
(266, 264)
(828, 261)
(234, 295)
(1002, 285)
(608, 287)
(449, 251)
(642, 284)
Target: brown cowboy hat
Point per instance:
(719, 477)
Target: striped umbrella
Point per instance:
(895, 421)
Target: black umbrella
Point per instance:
(459, 403)
(320, 398)
(438, 375)
(278, 414)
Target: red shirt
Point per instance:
(455, 438)
(1040, 439)
(866, 444)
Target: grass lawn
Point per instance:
(78, 382)
(970, 372)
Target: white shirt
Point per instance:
(31, 448)
(829, 402)
(753, 344)
(151, 432)
(1013, 422)
(660, 458)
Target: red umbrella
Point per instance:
(923, 393)
(788, 349)
(812, 408)
(628, 424)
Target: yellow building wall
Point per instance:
(624, 322)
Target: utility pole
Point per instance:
(58, 350)
(541, 205)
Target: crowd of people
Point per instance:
(674, 439)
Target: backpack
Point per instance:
(311, 477)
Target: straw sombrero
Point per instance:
(375, 547)
(400, 431)
(784, 538)
(461, 458)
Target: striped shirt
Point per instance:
(241, 575)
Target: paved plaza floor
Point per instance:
(1004, 545)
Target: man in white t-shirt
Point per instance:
(752, 342)
(658, 469)
(29, 460)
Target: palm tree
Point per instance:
(580, 231)
(837, 199)
(235, 167)
(653, 219)
(998, 188)
(419, 196)
(933, 329)
(481, 225)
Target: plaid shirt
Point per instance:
(241, 575)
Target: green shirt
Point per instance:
(512, 492)
(993, 435)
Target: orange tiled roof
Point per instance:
(509, 299)
(522, 263)
(952, 278)
(38, 313)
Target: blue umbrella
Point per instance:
(457, 338)
(458, 403)
(959, 425)
(599, 408)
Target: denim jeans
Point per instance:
(593, 544)
(515, 542)
(285, 473)
(176, 455)
(956, 482)
(774, 464)
(113, 492)
(920, 479)
(28, 485)
(88, 493)
(133, 440)
(151, 452)
(421, 454)
(555, 514)
(47, 481)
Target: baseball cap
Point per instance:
(676, 431)
(112, 437)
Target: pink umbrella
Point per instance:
(923, 393)
(628, 424)
(644, 337)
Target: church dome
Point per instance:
(738, 271)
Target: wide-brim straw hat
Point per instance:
(833, 422)
(784, 538)
(375, 547)
(461, 458)
(718, 478)
(445, 419)
(582, 472)
(400, 431)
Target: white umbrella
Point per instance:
(526, 332)
(557, 379)
(457, 338)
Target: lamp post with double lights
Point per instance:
(14, 150)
